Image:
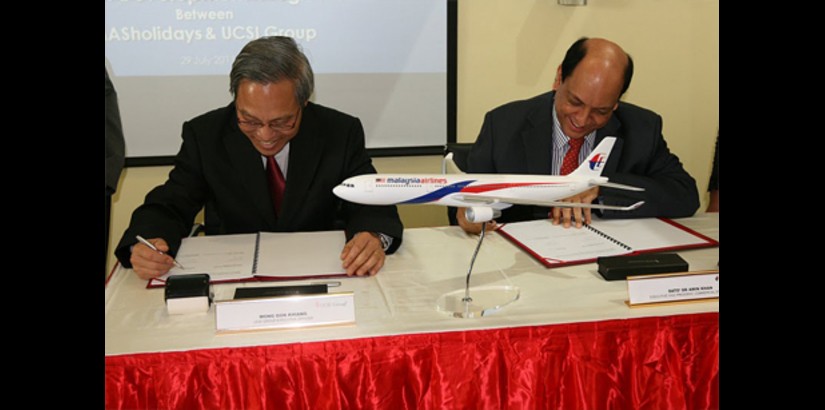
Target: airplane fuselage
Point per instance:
(461, 190)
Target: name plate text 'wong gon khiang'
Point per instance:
(240, 315)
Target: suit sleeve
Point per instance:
(669, 190)
(369, 218)
(169, 210)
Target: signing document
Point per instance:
(555, 246)
(261, 256)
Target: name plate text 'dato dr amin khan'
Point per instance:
(673, 287)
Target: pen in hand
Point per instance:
(152, 247)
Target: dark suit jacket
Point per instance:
(218, 167)
(516, 138)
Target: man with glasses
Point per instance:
(266, 162)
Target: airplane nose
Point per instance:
(339, 191)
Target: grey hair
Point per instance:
(270, 60)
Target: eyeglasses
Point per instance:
(279, 126)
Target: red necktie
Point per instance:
(276, 181)
(571, 159)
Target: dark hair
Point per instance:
(272, 59)
(576, 53)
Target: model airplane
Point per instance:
(485, 195)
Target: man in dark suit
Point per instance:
(532, 136)
(224, 161)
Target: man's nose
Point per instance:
(582, 116)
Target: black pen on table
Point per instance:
(152, 247)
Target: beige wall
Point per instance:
(510, 49)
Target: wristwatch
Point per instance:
(386, 241)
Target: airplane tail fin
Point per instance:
(594, 164)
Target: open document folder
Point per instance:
(261, 256)
(555, 246)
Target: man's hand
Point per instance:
(150, 264)
(579, 215)
(470, 227)
(363, 255)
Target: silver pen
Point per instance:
(152, 247)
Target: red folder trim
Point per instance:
(111, 273)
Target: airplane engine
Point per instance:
(478, 214)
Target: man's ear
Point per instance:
(557, 81)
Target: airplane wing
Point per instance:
(616, 185)
(490, 200)
(596, 206)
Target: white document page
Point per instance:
(300, 254)
(647, 233)
(223, 257)
(555, 244)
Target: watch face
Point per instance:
(386, 241)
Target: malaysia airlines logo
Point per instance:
(597, 161)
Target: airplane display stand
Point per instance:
(479, 301)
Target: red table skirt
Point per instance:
(657, 363)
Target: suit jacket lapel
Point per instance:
(611, 129)
(304, 158)
(247, 161)
(538, 140)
